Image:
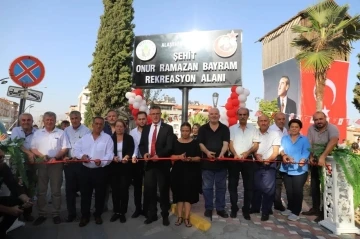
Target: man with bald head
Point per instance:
(265, 171)
(321, 132)
(214, 140)
(279, 127)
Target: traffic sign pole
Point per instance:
(22, 104)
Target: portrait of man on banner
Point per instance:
(285, 104)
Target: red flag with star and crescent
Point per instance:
(334, 103)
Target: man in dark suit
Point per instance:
(156, 142)
(285, 104)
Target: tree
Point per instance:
(165, 116)
(151, 95)
(199, 118)
(88, 116)
(112, 63)
(356, 90)
(327, 35)
(268, 107)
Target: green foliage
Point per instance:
(199, 118)
(165, 116)
(112, 64)
(350, 164)
(88, 116)
(268, 107)
(356, 90)
(328, 34)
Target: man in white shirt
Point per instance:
(279, 127)
(138, 166)
(26, 131)
(72, 170)
(50, 144)
(98, 147)
(264, 177)
(244, 141)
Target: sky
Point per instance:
(63, 33)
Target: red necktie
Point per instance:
(153, 141)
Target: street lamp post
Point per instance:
(3, 80)
(215, 97)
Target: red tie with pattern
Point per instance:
(153, 142)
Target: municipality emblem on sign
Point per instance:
(226, 45)
(146, 50)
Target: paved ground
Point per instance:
(239, 228)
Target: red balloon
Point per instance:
(234, 95)
(231, 113)
(229, 100)
(131, 107)
(235, 102)
(134, 112)
(228, 106)
(137, 92)
(233, 88)
(232, 121)
(149, 120)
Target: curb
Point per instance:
(197, 221)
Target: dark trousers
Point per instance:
(157, 177)
(72, 181)
(294, 185)
(315, 187)
(120, 182)
(209, 178)
(7, 220)
(137, 176)
(278, 188)
(32, 180)
(92, 179)
(264, 190)
(247, 174)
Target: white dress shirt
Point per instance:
(267, 140)
(19, 133)
(73, 135)
(49, 143)
(243, 140)
(136, 134)
(281, 133)
(102, 148)
(120, 150)
(152, 128)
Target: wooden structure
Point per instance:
(276, 43)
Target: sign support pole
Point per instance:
(185, 104)
(22, 103)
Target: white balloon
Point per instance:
(136, 105)
(133, 94)
(128, 95)
(242, 97)
(131, 100)
(242, 105)
(143, 102)
(246, 92)
(143, 108)
(239, 90)
(138, 98)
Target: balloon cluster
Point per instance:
(137, 103)
(236, 100)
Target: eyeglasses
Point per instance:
(26, 120)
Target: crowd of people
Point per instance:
(150, 156)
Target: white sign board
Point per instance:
(18, 92)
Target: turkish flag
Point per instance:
(334, 102)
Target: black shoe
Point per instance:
(39, 220)
(166, 221)
(252, 211)
(150, 220)
(233, 214)
(122, 218)
(70, 218)
(56, 220)
(320, 217)
(222, 214)
(98, 220)
(246, 215)
(28, 218)
(208, 213)
(264, 217)
(311, 212)
(84, 221)
(115, 217)
(281, 208)
(136, 214)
